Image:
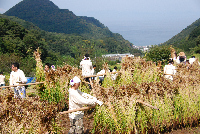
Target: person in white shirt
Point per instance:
(2, 79)
(76, 100)
(87, 67)
(175, 58)
(114, 76)
(17, 77)
(94, 72)
(169, 70)
(191, 60)
(101, 77)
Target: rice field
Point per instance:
(128, 106)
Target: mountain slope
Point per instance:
(59, 43)
(47, 16)
(188, 40)
(184, 33)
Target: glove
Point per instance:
(99, 102)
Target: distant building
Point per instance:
(145, 49)
(142, 48)
(114, 57)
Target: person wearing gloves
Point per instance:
(76, 100)
(17, 77)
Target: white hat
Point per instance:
(74, 80)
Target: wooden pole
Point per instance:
(78, 109)
(101, 74)
(89, 107)
(22, 85)
(144, 103)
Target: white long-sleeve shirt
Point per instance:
(169, 70)
(114, 76)
(101, 72)
(86, 66)
(191, 60)
(2, 79)
(16, 77)
(76, 100)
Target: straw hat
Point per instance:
(181, 54)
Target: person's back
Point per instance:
(169, 70)
(86, 66)
(2, 79)
(101, 77)
(114, 76)
(191, 60)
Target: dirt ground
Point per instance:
(87, 122)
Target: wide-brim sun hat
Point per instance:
(181, 54)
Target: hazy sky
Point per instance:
(142, 22)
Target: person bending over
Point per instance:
(76, 100)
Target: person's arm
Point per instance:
(91, 67)
(165, 69)
(22, 77)
(174, 70)
(92, 72)
(88, 96)
(81, 64)
(79, 99)
(11, 79)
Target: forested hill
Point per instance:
(19, 39)
(47, 16)
(188, 39)
(184, 33)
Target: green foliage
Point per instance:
(87, 35)
(27, 64)
(188, 39)
(46, 15)
(56, 48)
(158, 53)
(184, 33)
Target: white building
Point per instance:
(114, 57)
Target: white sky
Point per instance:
(142, 22)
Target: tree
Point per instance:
(158, 53)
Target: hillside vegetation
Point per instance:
(20, 38)
(47, 16)
(188, 39)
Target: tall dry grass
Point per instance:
(178, 100)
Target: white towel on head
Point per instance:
(74, 80)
